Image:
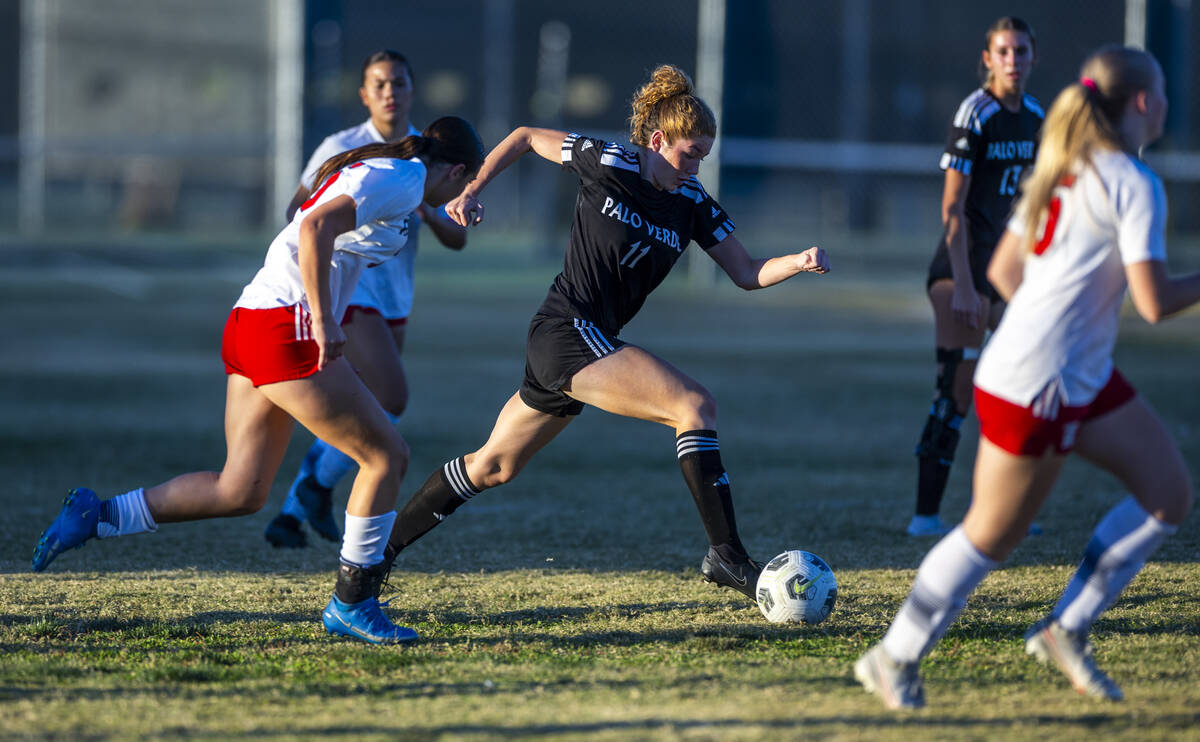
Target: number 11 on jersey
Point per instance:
(631, 258)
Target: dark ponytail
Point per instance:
(449, 139)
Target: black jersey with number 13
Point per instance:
(996, 147)
(626, 234)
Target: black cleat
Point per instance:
(739, 574)
(284, 531)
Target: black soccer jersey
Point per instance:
(626, 234)
(995, 147)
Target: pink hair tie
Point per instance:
(1089, 83)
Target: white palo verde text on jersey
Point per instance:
(626, 234)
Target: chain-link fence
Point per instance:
(165, 114)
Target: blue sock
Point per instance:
(331, 465)
(291, 506)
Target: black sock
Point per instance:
(939, 439)
(700, 460)
(935, 456)
(442, 494)
(932, 475)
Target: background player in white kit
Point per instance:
(282, 349)
(992, 140)
(1090, 222)
(376, 319)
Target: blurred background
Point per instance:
(120, 117)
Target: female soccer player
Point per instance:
(636, 212)
(376, 319)
(283, 354)
(1089, 223)
(992, 139)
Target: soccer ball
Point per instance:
(796, 586)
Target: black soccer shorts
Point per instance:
(558, 348)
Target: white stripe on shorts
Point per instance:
(303, 325)
(594, 338)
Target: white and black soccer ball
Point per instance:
(796, 586)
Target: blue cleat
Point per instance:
(317, 501)
(75, 524)
(365, 621)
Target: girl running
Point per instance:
(638, 209)
(283, 355)
(1090, 222)
(376, 320)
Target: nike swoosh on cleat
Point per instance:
(740, 581)
(356, 630)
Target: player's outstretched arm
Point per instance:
(467, 209)
(756, 273)
(1156, 295)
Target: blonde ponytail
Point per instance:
(668, 103)
(1083, 119)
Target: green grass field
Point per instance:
(567, 605)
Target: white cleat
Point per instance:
(897, 683)
(1071, 653)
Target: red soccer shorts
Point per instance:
(1017, 430)
(269, 345)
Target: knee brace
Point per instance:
(940, 437)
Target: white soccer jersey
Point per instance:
(387, 287)
(385, 192)
(1054, 345)
(339, 142)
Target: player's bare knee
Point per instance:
(697, 410)
(1168, 495)
(1179, 499)
(245, 499)
(388, 458)
(497, 471)
(397, 455)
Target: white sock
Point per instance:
(366, 538)
(1120, 545)
(948, 574)
(332, 464)
(125, 515)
